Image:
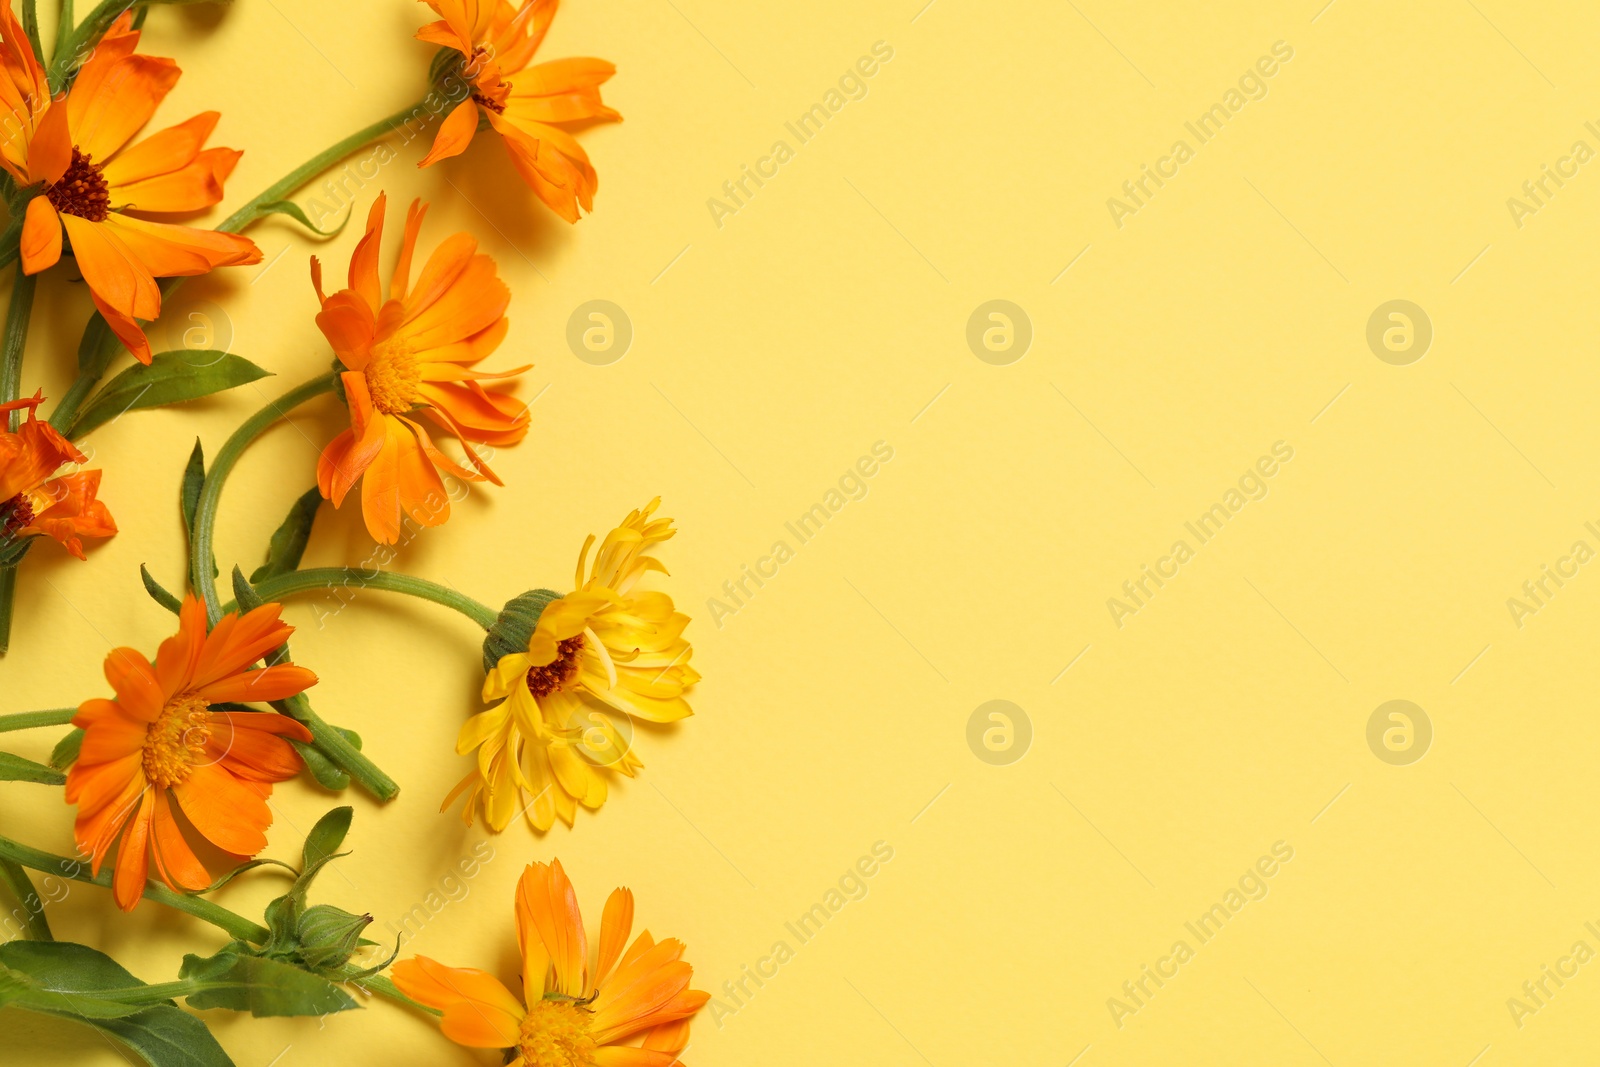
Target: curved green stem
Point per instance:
(205, 515)
(27, 720)
(305, 581)
(233, 924)
(100, 345)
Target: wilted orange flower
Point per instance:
(157, 763)
(411, 351)
(32, 501)
(95, 190)
(572, 1012)
(526, 105)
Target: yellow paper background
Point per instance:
(824, 316)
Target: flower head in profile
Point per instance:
(36, 500)
(410, 352)
(96, 188)
(620, 1006)
(569, 685)
(158, 766)
(527, 105)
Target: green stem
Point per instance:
(99, 344)
(12, 344)
(27, 720)
(337, 747)
(305, 581)
(14, 878)
(61, 867)
(205, 515)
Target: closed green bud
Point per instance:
(514, 628)
(329, 936)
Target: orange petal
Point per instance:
(106, 109)
(615, 926)
(50, 151)
(179, 654)
(191, 188)
(41, 236)
(547, 903)
(454, 135)
(258, 687)
(168, 251)
(133, 856)
(138, 691)
(479, 1012)
(161, 153)
(114, 272)
(364, 260)
(408, 246)
(348, 322)
(251, 746)
(229, 815)
(176, 862)
(380, 485)
(236, 642)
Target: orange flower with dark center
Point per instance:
(94, 186)
(527, 105)
(158, 768)
(34, 500)
(624, 1006)
(410, 353)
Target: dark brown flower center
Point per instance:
(15, 514)
(555, 675)
(82, 190)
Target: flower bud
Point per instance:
(329, 936)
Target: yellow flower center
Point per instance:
(393, 378)
(81, 190)
(174, 743)
(555, 1033)
(559, 672)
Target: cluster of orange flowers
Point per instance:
(175, 756)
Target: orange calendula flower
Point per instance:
(158, 765)
(526, 105)
(96, 188)
(597, 658)
(612, 1008)
(410, 353)
(34, 501)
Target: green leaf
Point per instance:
(292, 209)
(30, 26)
(323, 841)
(194, 480)
(289, 542)
(321, 767)
(66, 750)
(70, 979)
(170, 378)
(16, 769)
(261, 986)
(166, 1036)
(16, 879)
(158, 592)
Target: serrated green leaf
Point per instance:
(325, 838)
(169, 378)
(157, 591)
(14, 768)
(261, 986)
(293, 210)
(289, 540)
(65, 753)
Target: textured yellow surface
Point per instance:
(1178, 751)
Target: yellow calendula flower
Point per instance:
(568, 675)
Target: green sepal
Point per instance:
(65, 754)
(513, 628)
(289, 540)
(169, 378)
(12, 550)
